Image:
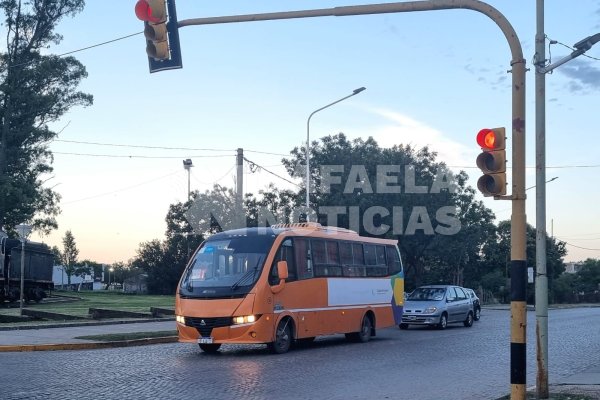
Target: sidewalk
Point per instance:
(60, 337)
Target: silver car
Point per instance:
(437, 305)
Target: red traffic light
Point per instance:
(488, 139)
(150, 11)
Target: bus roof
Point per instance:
(300, 229)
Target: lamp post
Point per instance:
(187, 164)
(541, 272)
(23, 230)
(354, 92)
(111, 269)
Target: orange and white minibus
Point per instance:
(287, 283)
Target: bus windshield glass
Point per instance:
(227, 263)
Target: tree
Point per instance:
(68, 256)
(401, 193)
(164, 261)
(35, 90)
(496, 255)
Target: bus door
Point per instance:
(296, 297)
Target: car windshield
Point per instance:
(427, 294)
(228, 262)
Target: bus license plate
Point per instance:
(205, 340)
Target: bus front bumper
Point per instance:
(260, 331)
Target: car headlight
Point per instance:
(180, 319)
(430, 310)
(245, 319)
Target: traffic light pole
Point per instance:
(518, 219)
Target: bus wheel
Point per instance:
(364, 335)
(210, 347)
(283, 338)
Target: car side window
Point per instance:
(450, 294)
(460, 294)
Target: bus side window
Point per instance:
(302, 257)
(285, 253)
(393, 260)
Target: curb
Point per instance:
(83, 323)
(88, 346)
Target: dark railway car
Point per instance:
(39, 262)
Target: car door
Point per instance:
(464, 303)
(452, 305)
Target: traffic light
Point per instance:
(161, 32)
(492, 161)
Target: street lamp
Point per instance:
(111, 269)
(187, 164)
(354, 92)
(23, 230)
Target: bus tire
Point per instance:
(366, 328)
(209, 347)
(283, 338)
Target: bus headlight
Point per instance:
(180, 319)
(246, 319)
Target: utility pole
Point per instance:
(541, 275)
(240, 216)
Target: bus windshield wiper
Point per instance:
(250, 272)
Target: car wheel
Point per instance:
(403, 326)
(477, 315)
(443, 321)
(469, 321)
(210, 347)
(283, 338)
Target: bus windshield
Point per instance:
(226, 263)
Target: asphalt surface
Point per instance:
(64, 337)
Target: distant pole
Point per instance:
(23, 230)
(354, 93)
(187, 165)
(239, 195)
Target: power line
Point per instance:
(137, 156)
(552, 41)
(164, 147)
(579, 247)
(254, 167)
(532, 167)
(83, 48)
(121, 190)
(140, 146)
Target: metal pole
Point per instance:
(239, 209)
(541, 276)
(354, 92)
(21, 297)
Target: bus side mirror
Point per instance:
(282, 272)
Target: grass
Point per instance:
(128, 336)
(83, 301)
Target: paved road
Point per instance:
(458, 363)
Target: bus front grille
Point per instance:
(206, 325)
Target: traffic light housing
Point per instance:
(161, 32)
(492, 161)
